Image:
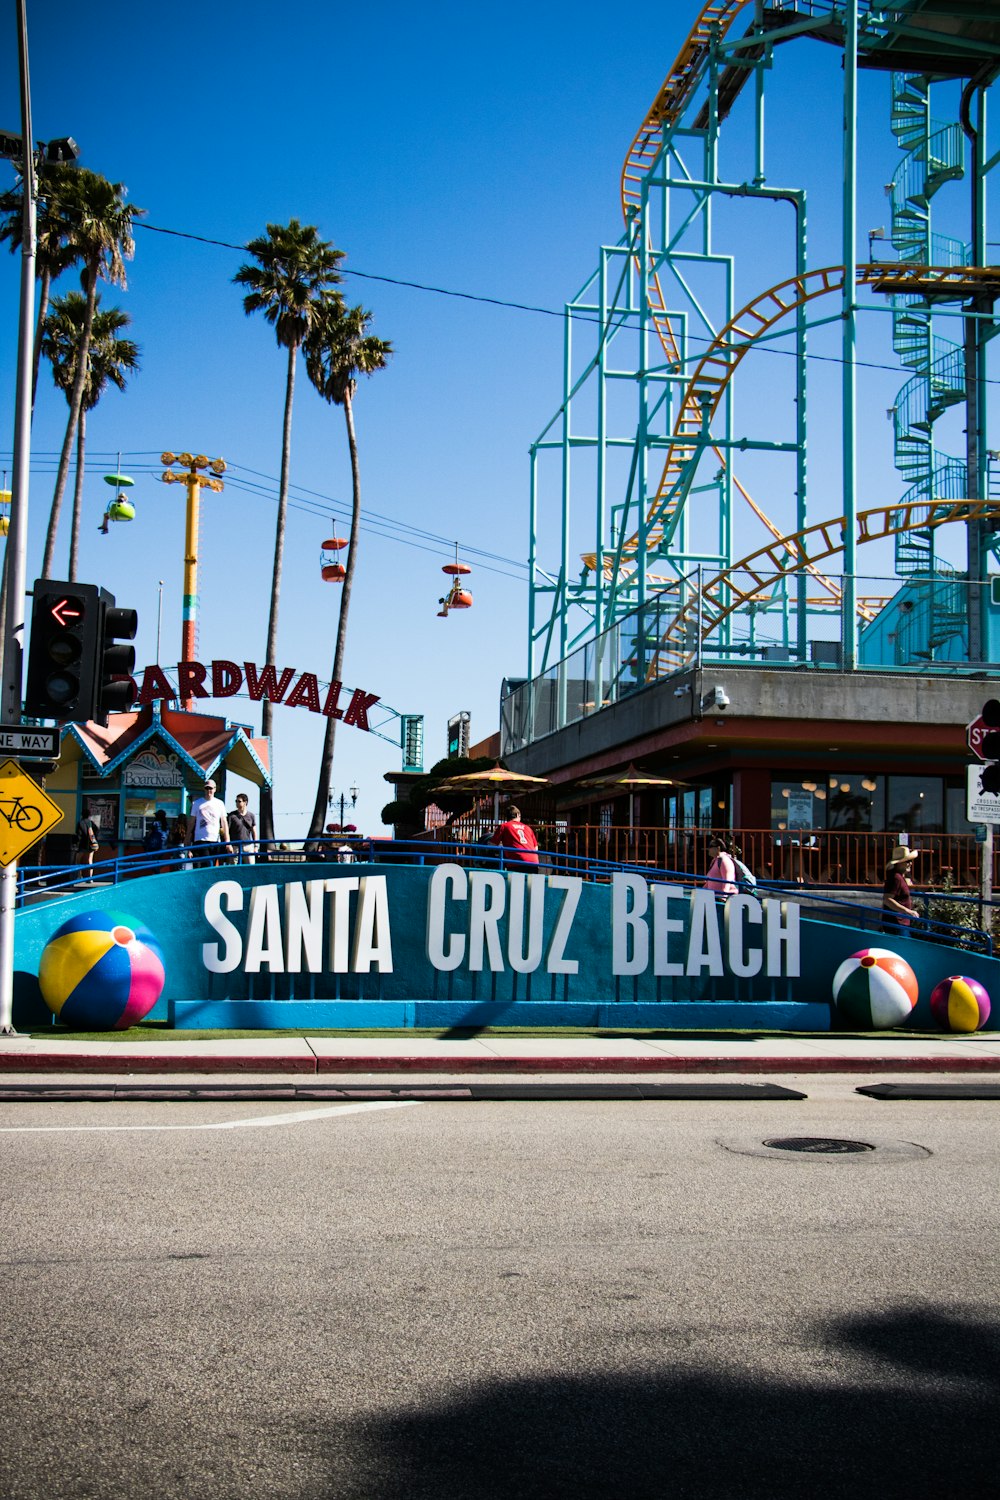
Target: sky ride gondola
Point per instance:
(121, 508)
(457, 597)
(332, 570)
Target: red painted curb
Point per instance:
(61, 1062)
(56, 1062)
(659, 1065)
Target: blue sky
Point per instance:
(476, 149)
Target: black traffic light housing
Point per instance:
(990, 747)
(62, 655)
(78, 665)
(115, 689)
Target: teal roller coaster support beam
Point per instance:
(977, 332)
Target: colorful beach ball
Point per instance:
(101, 971)
(875, 988)
(959, 1003)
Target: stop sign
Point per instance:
(988, 723)
(974, 734)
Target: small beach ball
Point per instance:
(875, 988)
(959, 1003)
(101, 971)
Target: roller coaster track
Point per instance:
(716, 367)
(747, 580)
(712, 24)
(714, 21)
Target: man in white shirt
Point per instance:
(207, 823)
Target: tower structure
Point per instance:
(680, 512)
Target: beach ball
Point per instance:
(101, 971)
(959, 1003)
(875, 988)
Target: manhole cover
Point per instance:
(819, 1145)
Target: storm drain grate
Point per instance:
(818, 1145)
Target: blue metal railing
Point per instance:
(45, 882)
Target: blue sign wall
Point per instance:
(314, 945)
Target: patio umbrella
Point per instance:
(630, 780)
(496, 780)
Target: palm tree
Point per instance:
(54, 251)
(111, 359)
(101, 232)
(292, 277)
(339, 348)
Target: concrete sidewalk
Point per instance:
(330, 1056)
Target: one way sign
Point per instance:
(29, 744)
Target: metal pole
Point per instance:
(189, 609)
(986, 880)
(159, 621)
(13, 625)
(849, 413)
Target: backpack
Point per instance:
(744, 873)
(155, 840)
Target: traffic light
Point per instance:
(990, 747)
(78, 665)
(115, 689)
(62, 657)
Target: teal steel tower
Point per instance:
(676, 514)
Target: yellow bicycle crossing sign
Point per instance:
(26, 812)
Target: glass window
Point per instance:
(705, 807)
(855, 801)
(797, 802)
(955, 803)
(915, 804)
(672, 811)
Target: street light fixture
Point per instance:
(61, 152)
(333, 797)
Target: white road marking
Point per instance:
(299, 1117)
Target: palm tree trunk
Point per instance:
(44, 284)
(326, 760)
(75, 407)
(74, 536)
(267, 711)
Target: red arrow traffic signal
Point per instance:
(66, 610)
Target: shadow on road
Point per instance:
(902, 1405)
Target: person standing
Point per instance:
(88, 837)
(207, 822)
(721, 876)
(897, 899)
(243, 829)
(517, 839)
(156, 839)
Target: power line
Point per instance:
(309, 502)
(606, 324)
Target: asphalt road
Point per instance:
(498, 1299)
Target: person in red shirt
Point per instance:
(516, 839)
(897, 902)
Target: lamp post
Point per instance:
(19, 149)
(191, 473)
(343, 799)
